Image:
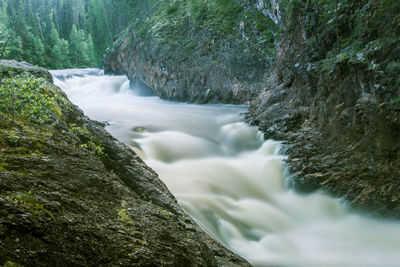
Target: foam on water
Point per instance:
(232, 182)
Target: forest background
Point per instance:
(59, 34)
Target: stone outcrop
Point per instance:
(198, 78)
(331, 93)
(337, 110)
(344, 145)
(222, 61)
(72, 195)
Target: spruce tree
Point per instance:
(74, 46)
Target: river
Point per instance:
(231, 181)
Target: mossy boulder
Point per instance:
(72, 195)
(16, 67)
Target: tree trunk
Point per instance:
(107, 24)
(148, 9)
(40, 26)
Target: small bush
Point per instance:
(25, 97)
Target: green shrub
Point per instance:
(25, 97)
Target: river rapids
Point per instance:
(232, 181)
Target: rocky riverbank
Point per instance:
(198, 52)
(328, 87)
(336, 102)
(72, 195)
(346, 150)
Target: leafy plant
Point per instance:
(26, 97)
(30, 202)
(92, 146)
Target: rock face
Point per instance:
(72, 195)
(331, 92)
(197, 78)
(196, 60)
(338, 110)
(347, 146)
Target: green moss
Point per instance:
(12, 264)
(182, 28)
(164, 212)
(29, 202)
(360, 35)
(395, 101)
(81, 131)
(3, 166)
(90, 143)
(393, 67)
(4, 212)
(12, 138)
(123, 215)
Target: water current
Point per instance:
(231, 181)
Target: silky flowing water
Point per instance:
(231, 181)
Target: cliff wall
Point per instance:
(326, 82)
(333, 94)
(198, 51)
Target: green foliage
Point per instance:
(364, 33)
(30, 203)
(39, 31)
(355, 23)
(3, 166)
(89, 142)
(395, 101)
(12, 264)
(79, 49)
(182, 28)
(28, 98)
(393, 67)
(95, 148)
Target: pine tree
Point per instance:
(60, 55)
(77, 32)
(74, 46)
(91, 49)
(5, 36)
(38, 51)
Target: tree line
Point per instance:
(62, 33)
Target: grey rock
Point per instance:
(63, 205)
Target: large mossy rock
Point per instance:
(72, 195)
(20, 67)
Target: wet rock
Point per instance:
(197, 78)
(72, 195)
(340, 140)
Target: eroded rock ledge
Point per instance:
(72, 195)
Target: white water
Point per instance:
(232, 181)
